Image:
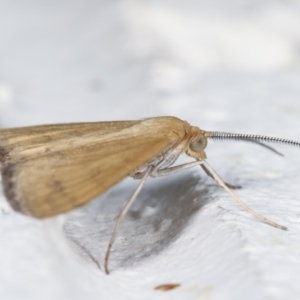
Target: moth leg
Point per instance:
(234, 187)
(120, 217)
(167, 171)
(238, 200)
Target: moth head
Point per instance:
(198, 142)
(196, 146)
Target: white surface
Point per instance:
(220, 65)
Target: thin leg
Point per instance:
(172, 170)
(234, 187)
(238, 200)
(121, 217)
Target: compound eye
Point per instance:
(199, 144)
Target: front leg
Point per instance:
(234, 187)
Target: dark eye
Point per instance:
(199, 144)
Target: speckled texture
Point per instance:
(221, 65)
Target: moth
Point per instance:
(51, 169)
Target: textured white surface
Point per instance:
(221, 65)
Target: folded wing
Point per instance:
(55, 168)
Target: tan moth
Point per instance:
(50, 169)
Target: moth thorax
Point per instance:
(162, 161)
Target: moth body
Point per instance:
(50, 169)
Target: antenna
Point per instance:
(253, 138)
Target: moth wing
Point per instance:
(58, 181)
(19, 139)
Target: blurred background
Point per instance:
(219, 64)
(64, 61)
